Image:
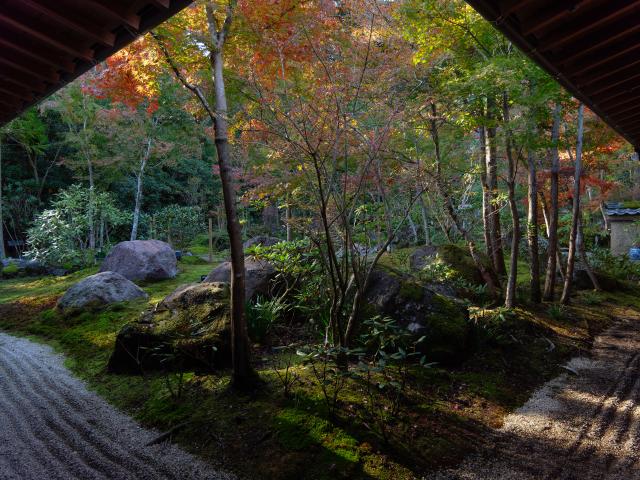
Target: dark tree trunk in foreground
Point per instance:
(242, 372)
(2, 252)
(243, 376)
(575, 217)
(532, 230)
(510, 294)
(550, 280)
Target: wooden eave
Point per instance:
(591, 47)
(46, 44)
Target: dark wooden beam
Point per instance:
(55, 62)
(608, 85)
(615, 69)
(85, 29)
(627, 117)
(18, 78)
(507, 7)
(20, 95)
(552, 15)
(604, 58)
(160, 3)
(588, 23)
(84, 53)
(593, 43)
(43, 73)
(107, 7)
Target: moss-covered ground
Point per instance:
(444, 412)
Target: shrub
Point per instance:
(179, 224)
(60, 235)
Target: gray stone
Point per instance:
(258, 279)
(424, 312)
(142, 260)
(190, 329)
(262, 240)
(100, 289)
(421, 257)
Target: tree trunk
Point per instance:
(92, 207)
(532, 230)
(497, 250)
(550, 280)
(138, 201)
(510, 294)
(2, 251)
(242, 373)
(486, 196)
(136, 209)
(583, 256)
(568, 279)
(425, 220)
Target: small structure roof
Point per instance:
(618, 209)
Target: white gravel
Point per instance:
(52, 427)
(576, 427)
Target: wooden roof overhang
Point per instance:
(591, 47)
(45, 44)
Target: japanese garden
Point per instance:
(311, 239)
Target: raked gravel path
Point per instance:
(577, 427)
(52, 427)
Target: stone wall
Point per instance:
(624, 234)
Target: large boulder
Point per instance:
(142, 260)
(189, 329)
(98, 290)
(443, 322)
(455, 258)
(262, 240)
(258, 280)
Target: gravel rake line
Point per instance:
(49, 415)
(70, 422)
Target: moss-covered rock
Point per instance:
(443, 322)
(189, 329)
(10, 271)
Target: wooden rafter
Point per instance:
(86, 29)
(46, 39)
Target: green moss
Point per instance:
(447, 331)
(10, 270)
(300, 430)
(459, 259)
(193, 260)
(411, 291)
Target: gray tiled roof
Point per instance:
(614, 209)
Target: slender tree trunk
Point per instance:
(510, 294)
(138, 200)
(242, 372)
(425, 220)
(497, 250)
(550, 280)
(136, 208)
(486, 196)
(532, 230)
(583, 256)
(288, 218)
(575, 217)
(92, 207)
(2, 250)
